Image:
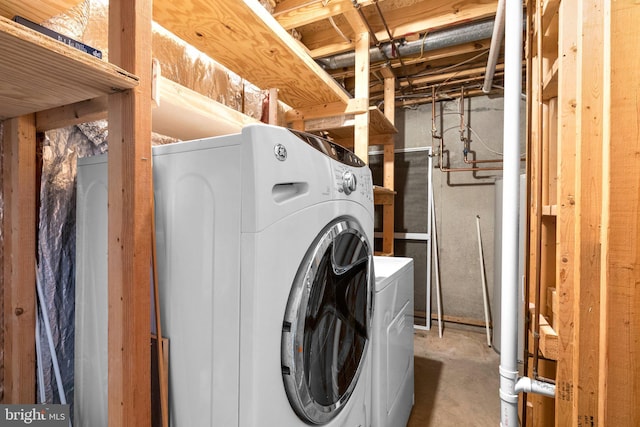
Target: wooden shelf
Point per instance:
(550, 210)
(383, 196)
(550, 83)
(244, 37)
(548, 337)
(340, 128)
(35, 10)
(40, 73)
(549, 11)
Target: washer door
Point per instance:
(325, 332)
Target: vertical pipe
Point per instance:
(510, 207)
(494, 49)
(430, 232)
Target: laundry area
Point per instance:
(339, 213)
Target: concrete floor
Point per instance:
(456, 379)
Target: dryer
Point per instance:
(265, 262)
(393, 365)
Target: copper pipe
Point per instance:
(434, 135)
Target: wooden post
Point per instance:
(588, 212)
(565, 237)
(361, 128)
(619, 382)
(19, 279)
(129, 235)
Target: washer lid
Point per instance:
(326, 327)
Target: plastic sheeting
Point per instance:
(56, 245)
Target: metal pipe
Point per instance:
(494, 49)
(454, 36)
(538, 204)
(510, 213)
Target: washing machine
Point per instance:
(307, 282)
(392, 339)
(265, 265)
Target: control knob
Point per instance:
(349, 183)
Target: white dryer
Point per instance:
(307, 282)
(392, 339)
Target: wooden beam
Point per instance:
(565, 222)
(129, 212)
(361, 127)
(619, 389)
(588, 212)
(296, 13)
(72, 114)
(19, 261)
(416, 18)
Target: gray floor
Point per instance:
(456, 379)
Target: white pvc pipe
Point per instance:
(527, 385)
(436, 265)
(494, 49)
(52, 347)
(41, 391)
(510, 214)
(485, 298)
(430, 232)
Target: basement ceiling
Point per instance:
(430, 46)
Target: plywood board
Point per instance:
(35, 10)
(38, 73)
(245, 38)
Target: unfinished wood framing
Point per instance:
(619, 379)
(588, 212)
(597, 216)
(129, 229)
(361, 124)
(565, 237)
(18, 284)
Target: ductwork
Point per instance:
(475, 31)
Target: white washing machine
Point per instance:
(266, 282)
(307, 282)
(393, 369)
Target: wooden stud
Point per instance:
(129, 224)
(619, 382)
(565, 226)
(361, 128)
(588, 213)
(19, 230)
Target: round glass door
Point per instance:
(325, 331)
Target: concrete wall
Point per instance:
(459, 197)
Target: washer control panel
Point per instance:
(349, 182)
(352, 182)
